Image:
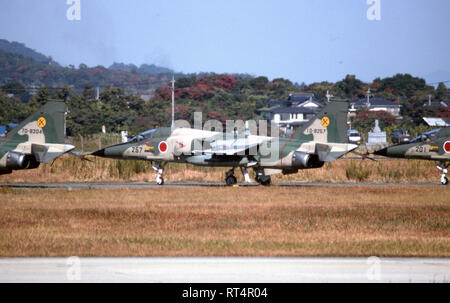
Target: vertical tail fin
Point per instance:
(46, 125)
(328, 126)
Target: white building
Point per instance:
(294, 111)
(288, 118)
(375, 104)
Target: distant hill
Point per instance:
(18, 68)
(15, 67)
(151, 69)
(123, 67)
(21, 49)
(19, 63)
(154, 69)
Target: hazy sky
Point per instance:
(299, 40)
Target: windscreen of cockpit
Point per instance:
(147, 134)
(143, 136)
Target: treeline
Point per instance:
(408, 91)
(219, 97)
(115, 109)
(28, 79)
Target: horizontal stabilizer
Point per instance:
(323, 152)
(48, 153)
(40, 153)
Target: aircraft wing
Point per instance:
(231, 147)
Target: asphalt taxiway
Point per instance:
(117, 185)
(224, 270)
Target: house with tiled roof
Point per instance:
(375, 104)
(300, 98)
(293, 112)
(290, 116)
(444, 103)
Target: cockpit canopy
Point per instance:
(430, 135)
(142, 136)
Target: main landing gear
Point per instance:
(443, 168)
(231, 180)
(261, 177)
(159, 168)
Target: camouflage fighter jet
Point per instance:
(433, 145)
(38, 139)
(322, 139)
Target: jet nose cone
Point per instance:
(381, 152)
(99, 153)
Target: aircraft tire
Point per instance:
(231, 180)
(266, 182)
(263, 180)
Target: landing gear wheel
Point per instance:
(261, 178)
(160, 180)
(159, 168)
(231, 180)
(267, 182)
(264, 180)
(443, 168)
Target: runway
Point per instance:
(224, 270)
(118, 185)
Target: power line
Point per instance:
(439, 82)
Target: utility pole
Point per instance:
(328, 96)
(173, 102)
(368, 97)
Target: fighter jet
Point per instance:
(38, 139)
(322, 139)
(433, 145)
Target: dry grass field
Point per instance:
(72, 169)
(302, 221)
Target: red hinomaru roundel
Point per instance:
(162, 146)
(447, 146)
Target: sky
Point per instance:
(304, 41)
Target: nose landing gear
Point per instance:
(159, 168)
(443, 168)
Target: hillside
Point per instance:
(20, 49)
(151, 69)
(17, 68)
